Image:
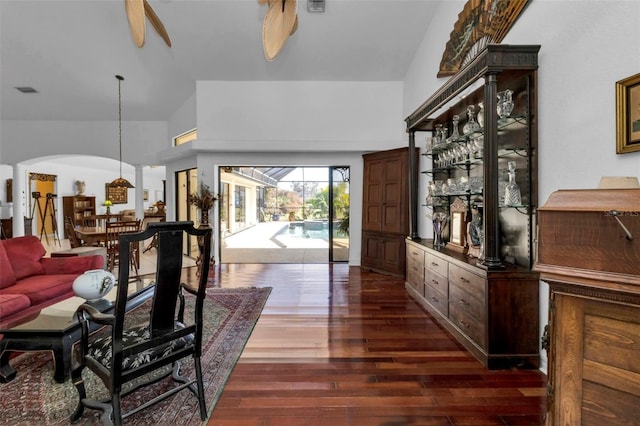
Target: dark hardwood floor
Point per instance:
(337, 345)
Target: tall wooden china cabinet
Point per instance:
(479, 132)
(385, 208)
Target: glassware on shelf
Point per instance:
(428, 145)
(471, 125)
(455, 134)
(505, 103)
(480, 117)
(436, 187)
(512, 196)
(476, 184)
(476, 146)
(440, 221)
(463, 184)
(437, 136)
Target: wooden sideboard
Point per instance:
(492, 313)
(589, 254)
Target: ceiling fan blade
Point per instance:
(295, 26)
(156, 23)
(277, 26)
(135, 15)
(262, 1)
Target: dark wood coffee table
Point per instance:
(56, 329)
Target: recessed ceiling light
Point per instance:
(315, 5)
(27, 89)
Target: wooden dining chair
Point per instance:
(154, 241)
(130, 353)
(113, 230)
(69, 229)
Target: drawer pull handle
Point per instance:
(434, 264)
(433, 299)
(464, 324)
(463, 302)
(435, 282)
(615, 215)
(464, 280)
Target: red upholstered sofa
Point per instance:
(30, 282)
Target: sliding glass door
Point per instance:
(338, 214)
(284, 214)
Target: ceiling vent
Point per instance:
(315, 5)
(27, 89)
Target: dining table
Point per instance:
(91, 235)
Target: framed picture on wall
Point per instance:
(628, 115)
(116, 195)
(145, 195)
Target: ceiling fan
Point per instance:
(280, 22)
(136, 11)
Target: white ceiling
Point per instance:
(70, 52)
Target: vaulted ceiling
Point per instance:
(70, 51)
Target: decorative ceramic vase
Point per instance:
(94, 284)
(512, 196)
(480, 117)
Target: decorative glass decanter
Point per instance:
(505, 103)
(471, 125)
(437, 135)
(455, 134)
(512, 195)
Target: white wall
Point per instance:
(183, 120)
(300, 115)
(586, 47)
(25, 140)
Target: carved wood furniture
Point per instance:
(128, 352)
(385, 207)
(489, 304)
(589, 253)
(77, 207)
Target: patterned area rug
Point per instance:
(33, 397)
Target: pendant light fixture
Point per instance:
(120, 182)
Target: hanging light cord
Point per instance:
(120, 78)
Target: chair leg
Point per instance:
(117, 410)
(106, 408)
(201, 402)
(78, 382)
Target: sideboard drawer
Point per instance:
(471, 326)
(415, 256)
(467, 281)
(436, 264)
(437, 282)
(416, 282)
(437, 299)
(415, 263)
(466, 302)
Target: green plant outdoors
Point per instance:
(319, 203)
